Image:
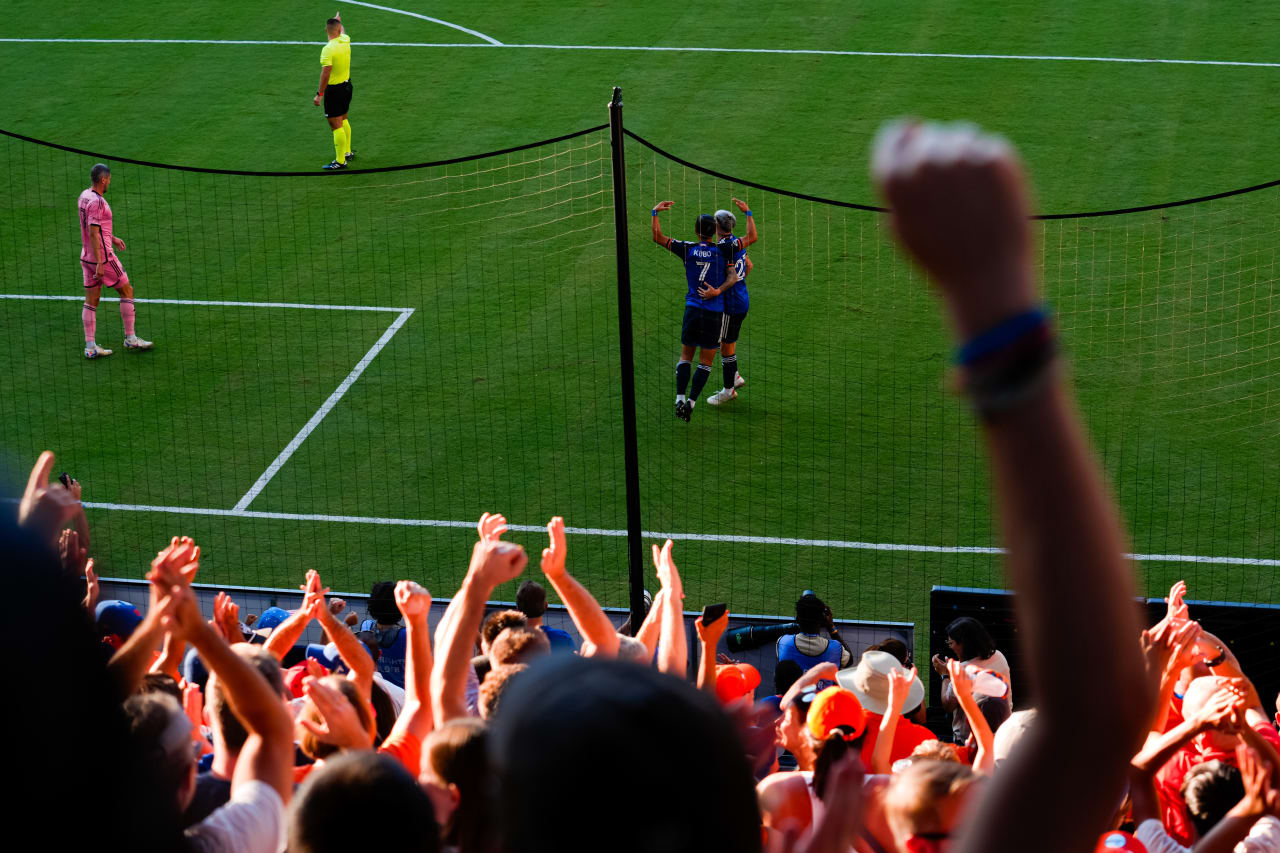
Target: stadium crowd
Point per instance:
(172, 730)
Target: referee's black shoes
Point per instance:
(334, 166)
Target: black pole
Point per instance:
(626, 359)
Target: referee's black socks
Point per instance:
(700, 377)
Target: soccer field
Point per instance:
(285, 431)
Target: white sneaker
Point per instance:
(724, 395)
(96, 351)
(738, 381)
(135, 342)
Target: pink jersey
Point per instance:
(94, 210)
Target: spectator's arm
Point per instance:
(960, 207)
(821, 672)
(900, 681)
(415, 717)
(673, 644)
(1259, 799)
(132, 660)
(267, 755)
(352, 651)
(962, 686)
(708, 637)
(285, 635)
(226, 616)
(1169, 648)
(492, 563)
(169, 662)
(586, 612)
(651, 628)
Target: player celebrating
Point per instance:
(708, 268)
(735, 301)
(335, 89)
(100, 266)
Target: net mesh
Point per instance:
(395, 352)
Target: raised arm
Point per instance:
(822, 672)
(492, 563)
(587, 614)
(960, 208)
(658, 236)
(751, 236)
(651, 628)
(673, 644)
(899, 686)
(708, 639)
(352, 651)
(173, 566)
(962, 688)
(267, 755)
(415, 604)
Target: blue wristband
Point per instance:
(746, 213)
(654, 211)
(1001, 335)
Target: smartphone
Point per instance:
(65, 479)
(712, 612)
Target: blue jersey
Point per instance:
(735, 298)
(705, 264)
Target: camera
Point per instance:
(750, 637)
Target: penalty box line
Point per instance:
(328, 405)
(651, 534)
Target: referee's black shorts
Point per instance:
(337, 99)
(701, 328)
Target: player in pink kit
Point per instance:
(101, 266)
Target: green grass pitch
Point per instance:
(498, 393)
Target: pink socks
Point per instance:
(126, 314)
(89, 316)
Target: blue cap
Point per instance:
(270, 618)
(194, 670)
(327, 655)
(117, 617)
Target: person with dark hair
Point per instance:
(383, 628)
(970, 643)
(708, 270)
(567, 712)
(736, 301)
(359, 796)
(100, 265)
(818, 640)
(335, 89)
(531, 600)
(455, 775)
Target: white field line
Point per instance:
(677, 49)
(315, 420)
(216, 303)
(652, 534)
(458, 27)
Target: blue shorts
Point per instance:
(732, 326)
(701, 328)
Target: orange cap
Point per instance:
(833, 707)
(735, 680)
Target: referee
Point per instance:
(335, 89)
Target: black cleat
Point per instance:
(351, 155)
(684, 409)
(334, 166)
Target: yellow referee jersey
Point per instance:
(337, 54)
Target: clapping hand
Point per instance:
(1177, 607)
(668, 574)
(491, 527)
(497, 562)
(553, 557)
(71, 553)
(47, 506)
(91, 590)
(226, 618)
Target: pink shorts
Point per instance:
(112, 273)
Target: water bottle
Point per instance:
(987, 682)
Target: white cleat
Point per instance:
(96, 351)
(135, 342)
(738, 381)
(724, 395)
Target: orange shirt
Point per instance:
(403, 747)
(906, 737)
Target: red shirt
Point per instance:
(906, 737)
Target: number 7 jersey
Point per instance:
(705, 264)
